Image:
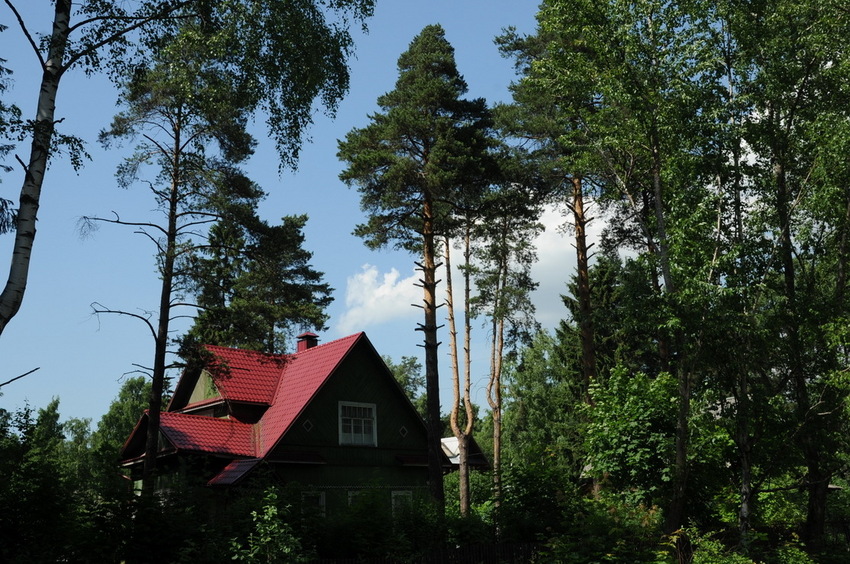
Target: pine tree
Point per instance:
(424, 145)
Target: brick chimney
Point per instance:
(307, 341)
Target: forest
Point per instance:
(691, 406)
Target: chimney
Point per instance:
(307, 341)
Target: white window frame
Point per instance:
(349, 439)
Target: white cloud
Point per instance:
(556, 264)
(372, 298)
(375, 298)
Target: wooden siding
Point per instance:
(362, 378)
(204, 389)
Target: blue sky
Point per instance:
(82, 358)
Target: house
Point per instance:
(330, 418)
(477, 458)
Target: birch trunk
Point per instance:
(43, 129)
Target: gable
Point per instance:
(205, 389)
(361, 378)
(234, 375)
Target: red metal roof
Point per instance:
(302, 377)
(196, 433)
(246, 376)
(234, 471)
(287, 383)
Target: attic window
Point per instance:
(402, 431)
(308, 425)
(357, 425)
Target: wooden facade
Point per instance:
(329, 419)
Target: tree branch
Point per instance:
(111, 38)
(27, 34)
(19, 377)
(98, 308)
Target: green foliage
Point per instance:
(425, 145)
(542, 420)
(272, 539)
(55, 505)
(255, 285)
(607, 531)
(708, 550)
(535, 497)
(630, 434)
(369, 528)
(122, 415)
(408, 374)
(479, 526)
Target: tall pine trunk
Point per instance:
(432, 378)
(494, 386)
(586, 331)
(161, 337)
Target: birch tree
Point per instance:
(190, 121)
(289, 53)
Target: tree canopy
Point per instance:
(285, 55)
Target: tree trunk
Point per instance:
(43, 129)
(432, 378)
(463, 443)
(161, 341)
(586, 332)
(496, 406)
(817, 480)
(463, 469)
(494, 386)
(743, 441)
(676, 513)
(841, 277)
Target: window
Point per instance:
(357, 424)
(402, 501)
(313, 503)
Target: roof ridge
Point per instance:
(335, 341)
(294, 356)
(263, 450)
(245, 351)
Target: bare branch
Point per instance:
(19, 377)
(98, 308)
(119, 221)
(141, 370)
(27, 34)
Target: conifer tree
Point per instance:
(423, 145)
(255, 286)
(289, 54)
